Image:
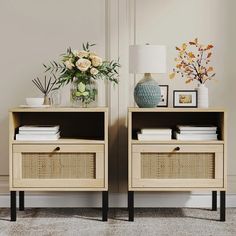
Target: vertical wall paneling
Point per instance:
(132, 41)
(113, 96)
(119, 97)
(124, 92)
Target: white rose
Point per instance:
(92, 54)
(83, 64)
(82, 54)
(96, 61)
(93, 71)
(69, 65)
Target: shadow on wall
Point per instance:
(4, 137)
(118, 157)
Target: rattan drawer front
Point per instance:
(64, 166)
(58, 165)
(177, 166)
(165, 166)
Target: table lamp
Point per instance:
(147, 59)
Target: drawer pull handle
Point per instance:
(57, 149)
(177, 149)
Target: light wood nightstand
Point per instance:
(176, 165)
(78, 161)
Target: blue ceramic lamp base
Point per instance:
(147, 93)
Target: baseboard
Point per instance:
(93, 199)
(118, 200)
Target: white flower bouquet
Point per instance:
(82, 68)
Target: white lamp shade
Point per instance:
(147, 59)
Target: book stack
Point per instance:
(161, 134)
(196, 133)
(38, 133)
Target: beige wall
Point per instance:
(173, 22)
(33, 32)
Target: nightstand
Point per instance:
(176, 165)
(78, 161)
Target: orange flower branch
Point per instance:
(193, 64)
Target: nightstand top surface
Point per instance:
(171, 109)
(60, 109)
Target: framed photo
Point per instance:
(164, 96)
(185, 98)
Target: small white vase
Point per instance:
(202, 96)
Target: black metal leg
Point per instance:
(13, 205)
(222, 205)
(131, 205)
(214, 200)
(21, 200)
(104, 205)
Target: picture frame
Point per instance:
(185, 98)
(164, 96)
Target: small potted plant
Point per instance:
(193, 64)
(81, 68)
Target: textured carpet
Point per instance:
(58, 222)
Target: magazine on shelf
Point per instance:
(156, 131)
(38, 132)
(197, 131)
(154, 137)
(195, 137)
(39, 128)
(196, 127)
(37, 137)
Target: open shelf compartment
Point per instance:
(74, 126)
(171, 119)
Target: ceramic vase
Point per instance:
(147, 92)
(203, 101)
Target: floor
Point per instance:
(58, 222)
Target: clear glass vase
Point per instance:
(83, 93)
(55, 98)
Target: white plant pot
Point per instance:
(202, 96)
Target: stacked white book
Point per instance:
(38, 133)
(161, 134)
(196, 133)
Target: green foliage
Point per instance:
(86, 47)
